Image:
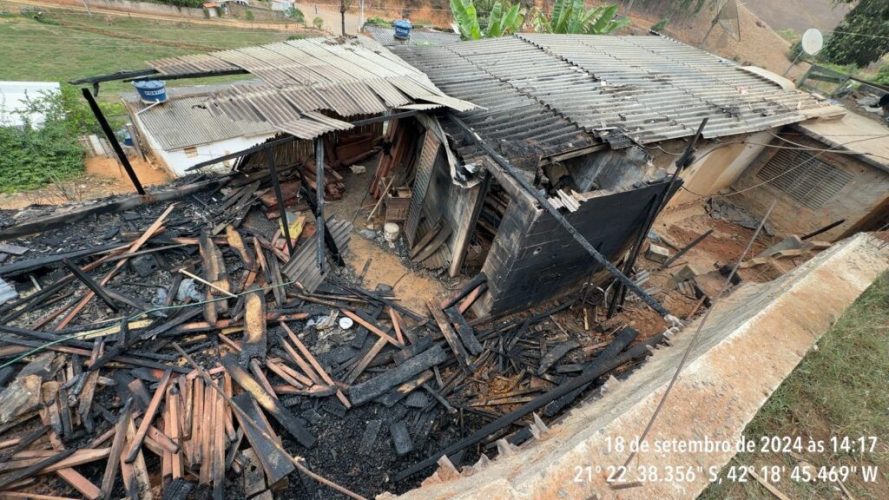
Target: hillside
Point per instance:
(798, 15)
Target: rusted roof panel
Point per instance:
(350, 78)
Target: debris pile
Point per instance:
(166, 349)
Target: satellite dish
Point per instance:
(812, 41)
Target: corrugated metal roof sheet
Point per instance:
(545, 89)
(182, 122)
(299, 77)
(386, 36)
(512, 116)
(653, 88)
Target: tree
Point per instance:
(503, 19)
(863, 37)
(571, 16)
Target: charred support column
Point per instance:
(109, 134)
(579, 238)
(683, 161)
(319, 200)
(276, 185)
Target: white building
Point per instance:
(14, 97)
(182, 132)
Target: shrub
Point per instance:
(249, 15)
(883, 75)
(318, 22)
(34, 157)
(378, 21)
(296, 14)
(660, 25)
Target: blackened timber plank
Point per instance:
(620, 342)
(467, 335)
(377, 386)
(276, 465)
(636, 352)
(450, 336)
(293, 425)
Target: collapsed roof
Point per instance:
(301, 79)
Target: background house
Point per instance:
(14, 97)
(182, 132)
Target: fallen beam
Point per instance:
(369, 390)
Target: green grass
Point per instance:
(841, 389)
(84, 46)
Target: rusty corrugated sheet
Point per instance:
(352, 78)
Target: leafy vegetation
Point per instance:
(863, 37)
(567, 16)
(120, 43)
(378, 21)
(571, 16)
(466, 17)
(660, 25)
(296, 14)
(33, 157)
(883, 75)
(838, 389)
(318, 22)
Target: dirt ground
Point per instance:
(759, 45)
(386, 267)
(102, 177)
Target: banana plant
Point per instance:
(571, 16)
(504, 19)
(466, 18)
(501, 24)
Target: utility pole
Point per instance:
(343, 16)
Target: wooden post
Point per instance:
(109, 134)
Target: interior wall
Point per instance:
(864, 195)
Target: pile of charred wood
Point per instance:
(187, 347)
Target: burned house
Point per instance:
(206, 338)
(589, 119)
(181, 132)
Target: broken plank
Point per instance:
(390, 398)
(450, 336)
(80, 483)
(366, 360)
(120, 437)
(370, 326)
(371, 389)
(467, 335)
(317, 366)
(255, 343)
(555, 354)
(136, 443)
(293, 425)
(275, 464)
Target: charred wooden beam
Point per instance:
(275, 464)
(293, 425)
(638, 351)
(255, 344)
(623, 338)
(371, 389)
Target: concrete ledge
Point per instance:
(751, 342)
